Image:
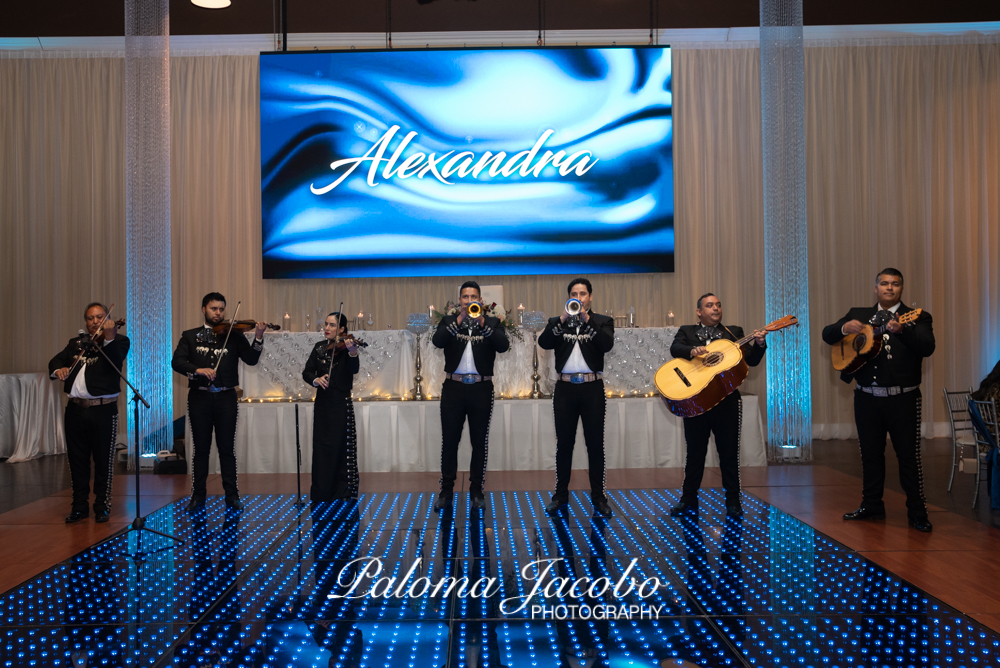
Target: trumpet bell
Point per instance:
(475, 309)
(573, 307)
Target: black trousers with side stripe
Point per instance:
(725, 421)
(571, 404)
(208, 412)
(458, 402)
(898, 417)
(91, 434)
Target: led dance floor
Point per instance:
(253, 588)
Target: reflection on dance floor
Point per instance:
(386, 581)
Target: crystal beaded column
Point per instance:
(786, 259)
(147, 218)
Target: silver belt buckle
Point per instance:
(578, 378)
(468, 379)
(879, 392)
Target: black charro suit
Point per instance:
(91, 431)
(572, 402)
(724, 420)
(474, 400)
(213, 405)
(896, 372)
(335, 439)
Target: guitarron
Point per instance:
(691, 387)
(851, 352)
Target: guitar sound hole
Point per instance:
(712, 359)
(859, 342)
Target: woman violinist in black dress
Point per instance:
(335, 454)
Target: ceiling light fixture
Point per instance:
(212, 4)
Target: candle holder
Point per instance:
(535, 321)
(418, 324)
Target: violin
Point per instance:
(240, 326)
(342, 343)
(119, 323)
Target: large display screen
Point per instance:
(454, 162)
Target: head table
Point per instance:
(396, 433)
(387, 365)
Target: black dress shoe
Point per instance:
(194, 504)
(601, 507)
(76, 516)
(684, 508)
(554, 505)
(921, 524)
(734, 510)
(443, 500)
(234, 503)
(101, 516)
(478, 501)
(863, 513)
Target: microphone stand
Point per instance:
(298, 462)
(139, 523)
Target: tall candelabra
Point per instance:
(418, 324)
(535, 321)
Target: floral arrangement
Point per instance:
(493, 310)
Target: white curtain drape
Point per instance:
(903, 153)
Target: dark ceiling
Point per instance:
(65, 18)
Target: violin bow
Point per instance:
(100, 330)
(232, 323)
(336, 339)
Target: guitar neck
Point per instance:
(775, 326)
(906, 319)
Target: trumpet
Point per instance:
(573, 307)
(474, 310)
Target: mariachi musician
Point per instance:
(724, 419)
(471, 340)
(93, 382)
(887, 398)
(331, 368)
(580, 339)
(209, 356)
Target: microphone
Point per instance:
(84, 339)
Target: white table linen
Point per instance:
(405, 436)
(31, 421)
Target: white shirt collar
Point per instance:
(893, 309)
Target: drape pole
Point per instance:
(147, 219)
(786, 252)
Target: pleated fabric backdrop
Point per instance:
(903, 169)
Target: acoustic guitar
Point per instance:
(851, 352)
(691, 387)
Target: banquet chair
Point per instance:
(963, 434)
(984, 418)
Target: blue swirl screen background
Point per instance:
(608, 207)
